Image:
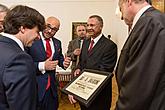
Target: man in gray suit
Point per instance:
(74, 47)
(140, 71)
(18, 89)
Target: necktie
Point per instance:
(91, 46)
(48, 48)
(48, 54)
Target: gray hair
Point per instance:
(98, 18)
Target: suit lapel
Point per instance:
(98, 45)
(56, 49)
(41, 47)
(77, 43)
(134, 30)
(86, 46)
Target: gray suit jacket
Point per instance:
(74, 44)
(17, 77)
(141, 67)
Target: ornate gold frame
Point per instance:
(159, 4)
(74, 25)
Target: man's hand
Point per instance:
(77, 72)
(66, 62)
(77, 51)
(50, 65)
(71, 99)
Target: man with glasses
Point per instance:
(140, 71)
(3, 11)
(47, 54)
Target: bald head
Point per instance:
(53, 21)
(52, 26)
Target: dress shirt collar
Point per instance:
(140, 12)
(80, 38)
(43, 38)
(96, 39)
(15, 39)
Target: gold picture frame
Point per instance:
(159, 4)
(74, 25)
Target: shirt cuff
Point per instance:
(41, 67)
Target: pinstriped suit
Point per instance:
(102, 57)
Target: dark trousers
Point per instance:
(49, 102)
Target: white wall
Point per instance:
(69, 11)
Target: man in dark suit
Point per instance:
(140, 70)
(98, 55)
(74, 47)
(47, 54)
(129, 23)
(18, 89)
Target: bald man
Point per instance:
(47, 54)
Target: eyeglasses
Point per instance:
(48, 27)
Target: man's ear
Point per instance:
(22, 29)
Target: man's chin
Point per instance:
(29, 45)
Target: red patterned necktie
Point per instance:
(48, 48)
(91, 46)
(48, 54)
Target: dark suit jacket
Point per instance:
(141, 68)
(38, 54)
(74, 44)
(17, 77)
(103, 57)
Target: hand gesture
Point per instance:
(50, 65)
(77, 51)
(71, 99)
(66, 62)
(77, 72)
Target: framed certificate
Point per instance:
(87, 85)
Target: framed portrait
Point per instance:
(74, 25)
(87, 85)
(159, 4)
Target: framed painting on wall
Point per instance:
(74, 25)
(159, 4)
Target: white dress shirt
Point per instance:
(41, 65)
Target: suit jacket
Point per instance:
(18, 89)
(37, 51)
(102, 57)
(140, 71)
(74, 44)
